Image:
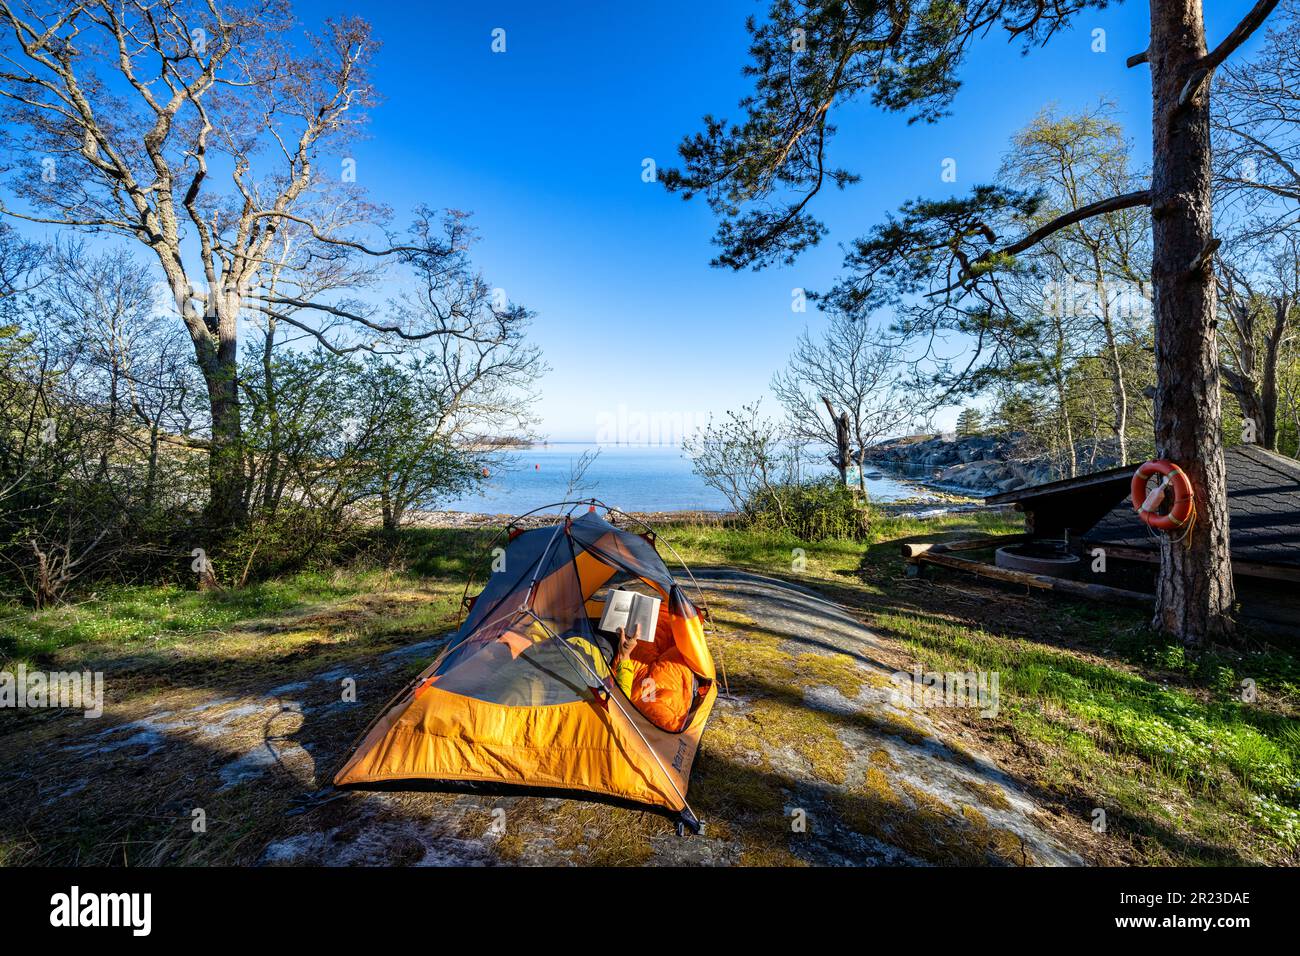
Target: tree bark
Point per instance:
(1268, 396)
(1194, 592)
(225, 457)
(226, 502)
(841, 421)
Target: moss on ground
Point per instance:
(900, 814)
(585, 833)
(1097, 711)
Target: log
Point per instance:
(1250, 569)
(1041, 581)
(915, 549)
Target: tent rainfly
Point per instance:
(523, 693)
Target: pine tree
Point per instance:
(970, 422)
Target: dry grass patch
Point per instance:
(589, 834)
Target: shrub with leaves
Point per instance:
(812, 510)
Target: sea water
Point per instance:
(629, 477)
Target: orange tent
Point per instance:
(523, 693)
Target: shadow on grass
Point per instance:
(135, 807)
(1073, 626)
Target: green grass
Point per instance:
(161, 614)
(1105, 712)
(1226, 756)
(123, 615)
(775, 552)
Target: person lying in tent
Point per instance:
(658, 681)
(530, 664)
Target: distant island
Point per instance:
(497, 442)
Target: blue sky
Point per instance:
(545, 144)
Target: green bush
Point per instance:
(292, 538)
(812, 510)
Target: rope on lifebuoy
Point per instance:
(1148, 502)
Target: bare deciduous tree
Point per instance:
(1072, 161)
(1262, 312)
(119, 360)
(849, 374)
(1255, 113)
(90, 390)
(746, 457)
(127, 113)
(578, 467)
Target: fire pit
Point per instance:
(1039, 557)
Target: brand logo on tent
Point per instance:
(682, 751)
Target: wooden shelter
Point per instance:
(1094, 511)
(1263, 518)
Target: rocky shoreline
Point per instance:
(949, 475)
(974, 464)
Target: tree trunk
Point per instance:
(1268, 410)
(225, 455)
(1118, 387)
(841, 422)
(151, 479)
(217, 356)
(1251, 409)
(226, 503)
(1071, 453)
(1268, 385)
(42, 588)
(1194, 592)
(387, 507)
(1119, 401)
(269, 495)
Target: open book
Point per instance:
(627, 609)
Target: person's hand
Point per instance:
(627, 643)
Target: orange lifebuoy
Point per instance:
(1147, 502)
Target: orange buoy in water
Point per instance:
(1147, 503)
(537, 467)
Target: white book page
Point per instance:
(645, 612)
(618, 608)
(627, 609)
